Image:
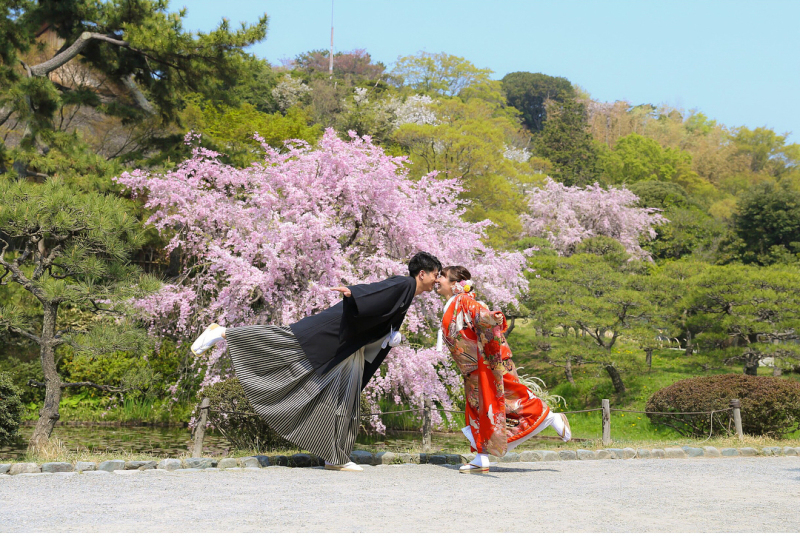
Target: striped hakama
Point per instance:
(316, 412)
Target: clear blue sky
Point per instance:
(736, 61)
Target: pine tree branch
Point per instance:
(24, 333)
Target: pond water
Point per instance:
(171, 441)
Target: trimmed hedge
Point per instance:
(227, 400)
(11, 409)
(770, 405)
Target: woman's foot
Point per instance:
(211, 336)
(349, 466)
(480, 464)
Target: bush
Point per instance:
(11, 409)
(244, 432)
(20, 372)
(770, 406)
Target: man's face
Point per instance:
(427, 280)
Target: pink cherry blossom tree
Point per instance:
(265, 243)
(567, 215)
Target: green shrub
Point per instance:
(11, 409)
(770, 406)
(244, 432)
(20, 372)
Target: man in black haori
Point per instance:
(305, 380)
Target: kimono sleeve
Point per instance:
(380, 299)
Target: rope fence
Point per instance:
(428, 408)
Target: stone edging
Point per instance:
(381, 458)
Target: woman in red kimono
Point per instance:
(501, 412)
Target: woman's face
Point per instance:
(444, 287)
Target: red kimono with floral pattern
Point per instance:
(499, 408)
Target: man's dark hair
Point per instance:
(423, 261)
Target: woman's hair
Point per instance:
(456, 273)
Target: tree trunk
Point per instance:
(48, 415)
(616, 379)
(689, 347)
(649, 358)
(510, 328)
(568, 371)
(776, 371)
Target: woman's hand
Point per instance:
(498, 317)
(344, 290)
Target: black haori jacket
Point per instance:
(368, 315)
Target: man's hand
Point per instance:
(344, 290)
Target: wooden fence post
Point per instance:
(200, 430)
(606, 422)
(737, 417)
(426, 425)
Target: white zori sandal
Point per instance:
(349, 466)
(211, 336)
(471, 468)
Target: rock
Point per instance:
(549, 456)
(408, 457)
(616, 454)
(83, 467)
(628, 453)
(567, 455)
(141, 465)
(791, 451)
(729, 452)
(493, 459)
(711, 452)
(423, 457)
(511, 457)
(674, 453)
(530, 456)
(57, 467)
(748, 451)
(583, 454)
(301, 460)
(438, 459)
(603, 454)
(455, 459)
(643, 454)
(227, 463)
(22, 468)
(658, 453)
(693, 452)
(111, 465)
(199, 463)
(384, 458)
(4, 467)
(170, 464)
(361, 457)
(771, 451)
(277, 461)
(257, 462)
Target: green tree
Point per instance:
(529, 92)
(766, 150)
(746, 314)
(767, 224)
(438, 73)
(566, 143)
(581, 305)
(635, 158)
(68, 248)
(469, 142)
(130, 60)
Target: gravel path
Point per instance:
(690, 495)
